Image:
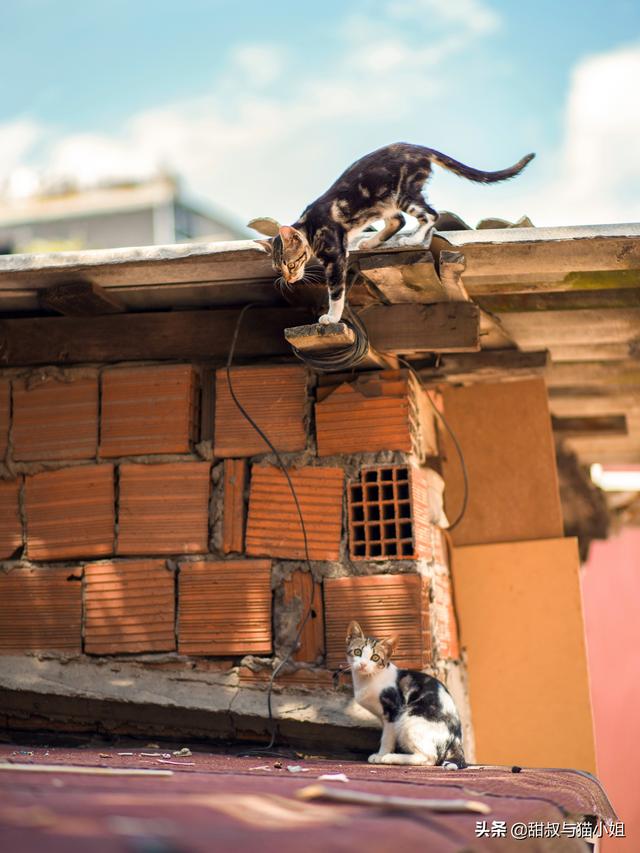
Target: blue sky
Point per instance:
(260, 106)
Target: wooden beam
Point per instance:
(592, 352)
(197, 335)
(520, 265)
(207, 335)
(452, 265)
(407, 328)
(506, 303)
(316, 339)
(600, 426)
(612, 375)
(544, 329)
(485, 366)
(403, 276)
(596, 401)
(79, 299)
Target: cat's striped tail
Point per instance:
(477, 174)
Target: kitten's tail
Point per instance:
(477, 174)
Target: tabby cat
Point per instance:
(382, 185)
(420, 722)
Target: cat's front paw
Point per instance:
(327, 320)
(376, 758)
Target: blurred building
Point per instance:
(146, 213)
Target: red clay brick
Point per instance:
(390, 515)
(70, 513)
(370, 413)
(445, 627)
(225, 607)
(55, 420)
(10, 522)
(5, 403)
(276, 398)
(129, 606)
(40, 609)
(164, 509)
(301, 586)
(149, 410)
(385, 606)
(235, 480)
(273, 526)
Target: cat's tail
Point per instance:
(477, 174)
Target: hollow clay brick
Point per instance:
(129, 606)
(148, 410)
(40, 610)
(385, 606)
(275, 396)
(235, 479)
(273, 525)
(164, 508)
(70, 513)
(10, 522)
(225, 607)
(55, 420)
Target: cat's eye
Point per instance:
(357, 652)
(375, 658)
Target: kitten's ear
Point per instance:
(265, 225)
(289, 234)
(266, 244)
(354, 632)
(389, 644)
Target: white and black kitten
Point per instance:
(420, 722)
(382, 185)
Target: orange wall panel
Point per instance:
(505, 434)
(520, 613)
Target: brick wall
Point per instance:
(138, 520)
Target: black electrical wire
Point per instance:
(281, 464)
(342, 357)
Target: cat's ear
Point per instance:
(354, 632)
(388, 644)
(289, 234)
(265, 225)
(266, 244)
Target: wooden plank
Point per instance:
(575, 402)
(538, 330)
(79, 299)
(317, 340)
(452, 265)
(407, 328)
(595, 425)
(207, 335)
(403, 276)
(485, 366)
(613, 375)
(591, 352)
(197, 335)
(505, 303)
(596, 262)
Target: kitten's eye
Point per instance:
(357, 652)
(375, 658)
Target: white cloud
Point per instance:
(259, 64)
(260, 148)
(593, 176)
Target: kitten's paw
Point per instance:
(327, 320)
(366, 245)
(375, 758)
(449, 765)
